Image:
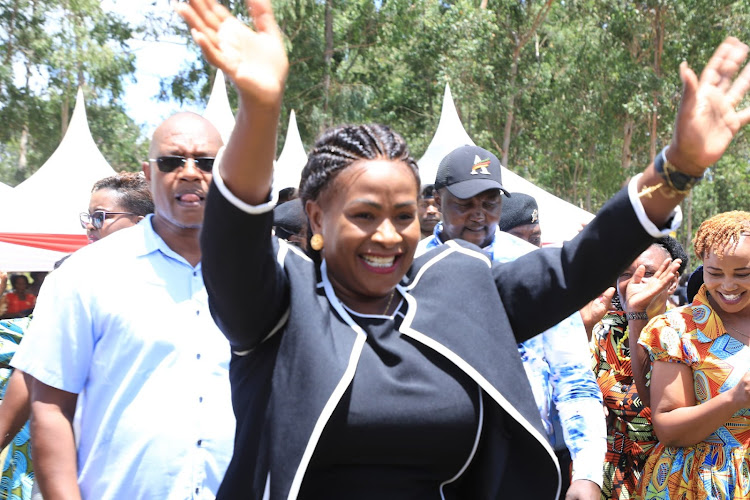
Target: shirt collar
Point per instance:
(152, 242)
(504, 247)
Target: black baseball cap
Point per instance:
(469, 170)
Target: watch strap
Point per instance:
(636, 315)
(678, 181)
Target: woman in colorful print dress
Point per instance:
(700, 383)
(17, 480)
(644, 286)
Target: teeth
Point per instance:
(379, 261)
(730, 297)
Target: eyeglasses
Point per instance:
(97, 218)
(169, 163)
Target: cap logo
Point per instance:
(535, 216)
(480, 166)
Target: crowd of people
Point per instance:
(373, 336)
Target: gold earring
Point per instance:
(316, 242)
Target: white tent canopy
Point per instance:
(48, 203)
(288, 168)
(218, 111)
(559, 220)
(4, 188)
(449, 135)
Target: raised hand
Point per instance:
(707, 120)
(255, 60)
(649, 294)
(594, 311)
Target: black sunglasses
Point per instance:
(168, 164)
(97, 218)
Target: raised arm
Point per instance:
(706, 123)
(650, 297)
(562, 280)
(255, 61)
(248, 291)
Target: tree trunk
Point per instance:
(511, 104)
(328, 54)
(627, 155)
(24, 141)
(658, 51)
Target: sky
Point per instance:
(154, 60)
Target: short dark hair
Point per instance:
(132, 190)
(675, 250)
(428, 191)
(15, 277)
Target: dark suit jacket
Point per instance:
(296, 350)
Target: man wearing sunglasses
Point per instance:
(126, 321)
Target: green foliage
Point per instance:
(594, 96)
(61, 45)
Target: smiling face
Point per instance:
(179, 195)
(109, 201)
(473, 219)
(368, 220)
(727, 278)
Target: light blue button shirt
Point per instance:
(558, 366)
(125, 323)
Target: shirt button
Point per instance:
(200, 399)
(198, 312)
(199, 442)
(197, 490)
(198, 356)
(195, 273)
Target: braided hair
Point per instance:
(721, 231)
(340, 147)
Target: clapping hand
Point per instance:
(649, 294)
(255, 60)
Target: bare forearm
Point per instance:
(55, 463)
(14, 411)
(692, 424)
(247, 164)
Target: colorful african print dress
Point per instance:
(18, 473)
(630, 435)
(718, 466)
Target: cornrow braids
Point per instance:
(132, 189)
(721, 231)
(341, 146)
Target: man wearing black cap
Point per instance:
(469, 193)
(520, 218)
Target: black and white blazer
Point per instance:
(296, 349)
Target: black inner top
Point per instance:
(406, 424)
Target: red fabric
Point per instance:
(57, 242)
(16, 305)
